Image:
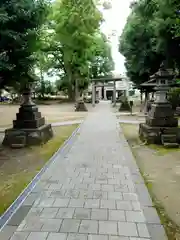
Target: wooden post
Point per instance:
(114, 94)
(105, 97)
(93, 94)
(141, 96)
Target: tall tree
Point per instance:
(102, 62)
(150, 36)
(166, 30)
(20, 21)
(75, 25)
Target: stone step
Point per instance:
(171, 145)
(168, 138)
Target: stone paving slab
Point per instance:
(94, 192)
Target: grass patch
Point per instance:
(62, 119)
(171, 228)
(160, 150)
(19, 166)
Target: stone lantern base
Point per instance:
(80, 106)
(124, 106)
(19, 138)
(29, 128)
(158, 135)
(161, 126)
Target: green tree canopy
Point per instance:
(20, 21)
(150, 35)
(101, 63)
(75, 23)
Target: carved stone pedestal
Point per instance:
(161, 126)
(29, 128)
(80, 106)
(124, 106)
(178, 111)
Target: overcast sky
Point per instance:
(115, 19)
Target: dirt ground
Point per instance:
(52, 113)
(161, 169)
(19, 166)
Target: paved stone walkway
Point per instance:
(95, 192)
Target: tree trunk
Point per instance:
(71, 93)
(70, 89)
(77, 95)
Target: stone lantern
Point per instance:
(161, 126)
(29, 128)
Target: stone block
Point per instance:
(127, 229)
(171, 145)
(162, 122)
(19, 215)
(20, 124)
(108, 204)
(81, 213)
(143, 230)
(7, 232)
(157, 232)
(49, 212)
(135, 216)
(153, 135)
(77, 203)
(170, 138)
(115, 195)
(99, 214)
(61, 202)
(117, 215)
(108, 227)
(125, 106)
(28, 115)
(161, 110)
(178, 111)
(124, 205)
(27, 137)
(92, 203)
(80, 107)
(149, 134)
(65, 213)
(70, 226)
(51, 225)
(38, 235)
(18, 236)
(89, 226)
(57, 236)
(97, 237)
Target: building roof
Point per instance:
(150, 83)
(107, 79)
